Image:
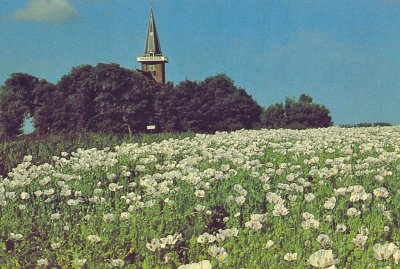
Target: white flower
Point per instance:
(340, 191)
(240, 200)
(229, 232)
(114, 187)
(310, 224)
(199, 193)
(55, 216)
(396, 256)
(259, 217)
(218, 252)
(153, 245)
(10, 195)
(38, 193)
(80, 262)
(381, 192)
(307, 216)
(25, 195)
(269, 244)
(290, 256)
(42, 262)
(16, 236)
(72, 202)
(360, 240)
(205, 264)
(203, 238)
(111, 176)
(324, 240)
(352, 212)
(383, 252)
(44, 181)
(117, 263)
(55, 245)
(330, 203)
(48, 192)
(65, 192)
(273, 198)
(109, 217)
(280, 210)
(97, 192)
(322, 259)
(220, 237)
(125, 216)
(255, 225)
(171, 239)
(199, 208)
(341, 228)
(328, 218)
(94, 238)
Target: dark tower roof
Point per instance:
(152, 42)
(153, 62)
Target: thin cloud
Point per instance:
(47, 11)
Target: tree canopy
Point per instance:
(109, 98)
(299, 114)
(106, 98)
(214, 104)
(19, 100)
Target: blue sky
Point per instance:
(344, 53)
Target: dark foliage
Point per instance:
(216, 220)
(16, 102)
(294, 114)
(212, 105)
(365, 124)
(106, 98)
(110, 99)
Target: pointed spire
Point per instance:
(153, 47)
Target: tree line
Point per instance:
(366, 124)
(111, 99)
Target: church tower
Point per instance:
(153, 61)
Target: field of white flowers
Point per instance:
(322, 198)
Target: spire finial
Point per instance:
(151, 4)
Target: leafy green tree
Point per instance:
(16, 102)
(76, 89)
(170, 107)
(48, 108)
(227, 107)
(106, 98)
(305, 99)
(215, 104)
(299, 114)
(273, 116)
(124, 100)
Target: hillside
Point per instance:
(317, 198)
